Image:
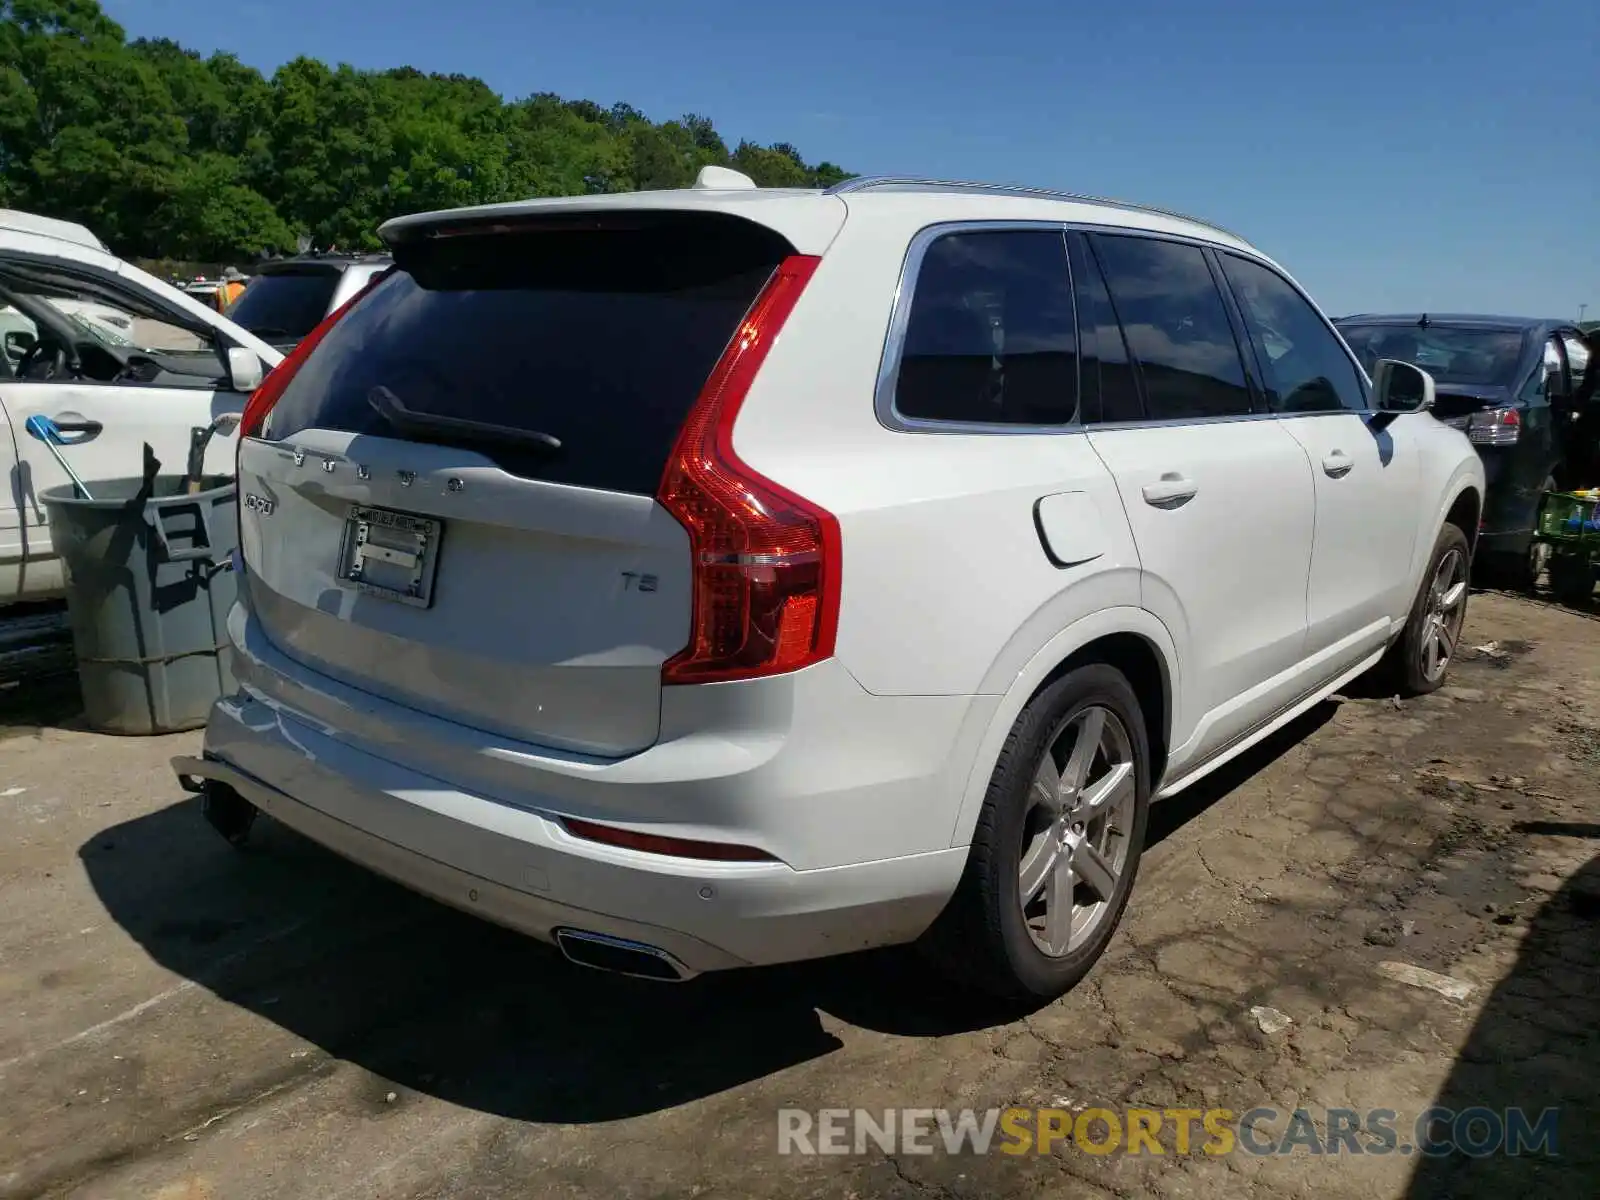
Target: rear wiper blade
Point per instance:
(393, 410)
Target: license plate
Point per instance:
(391, 555)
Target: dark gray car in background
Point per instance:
(1507, 382)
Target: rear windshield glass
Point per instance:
(598, 334)
(285, 306)
(1451, 354)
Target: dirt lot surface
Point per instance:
(185, 1022)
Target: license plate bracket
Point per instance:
(390, 555)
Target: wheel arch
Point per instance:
(1131, 639)
(1465, 512)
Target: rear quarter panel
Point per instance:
(947, 589)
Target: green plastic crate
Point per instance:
(1569, 520)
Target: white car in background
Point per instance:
(726, 576)
(116, 359)
(289, 297)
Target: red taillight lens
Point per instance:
(766, 561)
(653, 843)
(1495, 427)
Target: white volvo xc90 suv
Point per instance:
(730, 576)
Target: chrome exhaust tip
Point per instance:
(620, 956)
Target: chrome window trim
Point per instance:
(883, 403)
(889, 363)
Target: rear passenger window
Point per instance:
(1176, 326)
(1110, 392)
(1307, 370)
(991, 334)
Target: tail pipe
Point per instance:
(620, 956)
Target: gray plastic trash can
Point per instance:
(149, 573)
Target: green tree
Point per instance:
(165, 153)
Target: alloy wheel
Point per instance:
(1446, 609)
(1075, 838)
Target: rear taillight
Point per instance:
(1495, 427)
(766, 561)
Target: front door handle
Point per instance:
(1337, 464)
(1174, 491)
(51, 428)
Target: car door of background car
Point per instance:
(108, 423)
(1219, 496)
(1367, 474)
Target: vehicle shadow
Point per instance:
(1536, 1046)
(439, 1002)
(49, 702)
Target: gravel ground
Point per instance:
(180, 1020)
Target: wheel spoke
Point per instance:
(1446, 647)
(1047, 784)
(1092, 867)
(1058, 907)
(1430, 654)
(1106, 793)
(1083, 750)
(1442, 576)
(1452, 596)
(1037, 866)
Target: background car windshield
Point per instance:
(1451, 354)
(120, 329)
(286, 304)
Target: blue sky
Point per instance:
(1391, 156)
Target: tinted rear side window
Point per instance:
(600, 333)
(991, 336)
(285, 306)
(1177, 328)
(1110, 392)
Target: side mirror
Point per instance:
(227, 423)
(244, 369)
(19, 342)
(1399, 387)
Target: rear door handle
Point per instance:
(1337, 464)
(1174, 491)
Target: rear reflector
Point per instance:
(766, 561)
(673, 847)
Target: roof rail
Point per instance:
(886, 183)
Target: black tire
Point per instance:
(982, 938)
(1571, 579)
(1404, 667)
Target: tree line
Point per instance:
(164, 153)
